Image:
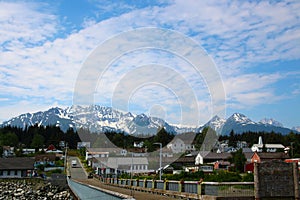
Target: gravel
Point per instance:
(22, 190)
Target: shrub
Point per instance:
(223, 176)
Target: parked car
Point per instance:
(74, 163)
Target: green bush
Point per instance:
(223, 176)
(249, 177)
(187, 176)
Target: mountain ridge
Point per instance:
(101, 118)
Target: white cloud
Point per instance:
(238, 34)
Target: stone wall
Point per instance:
(276, 179)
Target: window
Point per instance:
(8, 173)
(16, 172)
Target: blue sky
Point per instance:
(255, 46)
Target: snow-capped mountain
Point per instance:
(95, 118)
(296, 128)
(100, 119)
(270, 121)
(216, 123)
(53, 116)
(239, 123)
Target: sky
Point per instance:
(252, 47)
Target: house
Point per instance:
(185, 162)
(263, 157)
(166, 153)
(138, 144)
(28, 151)
(258, 157)
(16, 167)
(44, 159)
(8, 152)
(99, 152)
(210, 157)
(182, 143)
(268, 147)
(113, 165)
(51, 149)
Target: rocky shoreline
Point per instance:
(23, 190)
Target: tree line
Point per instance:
(37, 137)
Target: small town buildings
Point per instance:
(263, 157)
(211, 157)
(113, 165)
(83, 145)
(28, 151)
(8, 152)
(182, 143)
(268, 147)
(258, 157)
(44, 159)
(16, 167)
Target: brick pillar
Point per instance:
(256, 182)
(296, 180)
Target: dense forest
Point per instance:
(37, 137)
(126, 141)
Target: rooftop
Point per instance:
(17, 163)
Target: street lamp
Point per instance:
(160, 145)
(65, 161)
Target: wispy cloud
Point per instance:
(37, 62)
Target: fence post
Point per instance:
(165, 184)
(153, 184)
(199, 187)
(180, 186)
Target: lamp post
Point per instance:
(160, 149)
(65, 161)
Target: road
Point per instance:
(77, 172)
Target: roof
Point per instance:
(51, 147)
(186, 138)
(17, 163)
(276, 155)
(248, 155)
(276, 146)
(216, 156)
(186, 159)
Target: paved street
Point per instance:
(77, 172)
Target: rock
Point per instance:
(31, 189)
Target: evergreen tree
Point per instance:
(238, 159)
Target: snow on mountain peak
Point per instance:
(270, 121)
(240, 118)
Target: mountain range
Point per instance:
(100, 119)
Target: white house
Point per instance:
(111, 165)
(104, 152)
(182, 143)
